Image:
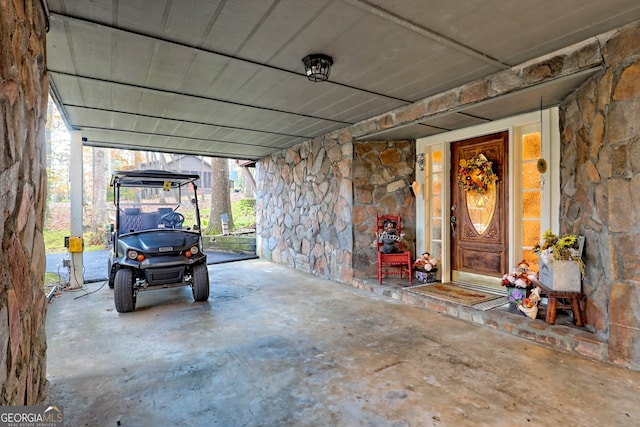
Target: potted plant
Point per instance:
(426, 268)
(561, 265)
(520, 282)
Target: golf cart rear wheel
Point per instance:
(200, 282)
(123, 293)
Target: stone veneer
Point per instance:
(317, 202)
(600, 181)
(382, 174)
(23, 112)
(303, 206)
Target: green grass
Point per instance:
(54, 241)
(244, 213)
(51, 279)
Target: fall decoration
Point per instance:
(476, 174)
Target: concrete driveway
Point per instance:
(277, 347)
(95, 263)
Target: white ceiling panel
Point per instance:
(225, 77)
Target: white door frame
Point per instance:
(548, 122)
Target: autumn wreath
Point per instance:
(476, 174)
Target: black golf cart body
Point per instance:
(153, 248)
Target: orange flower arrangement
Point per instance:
(476, 174)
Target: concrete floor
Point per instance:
(277, 347)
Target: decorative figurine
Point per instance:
(390, 239)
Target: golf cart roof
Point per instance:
(151, 178)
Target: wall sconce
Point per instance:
(317, 67)
(420, 161)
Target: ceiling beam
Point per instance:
(162, 135)
(125, 146)
(191, 122)
(188, 95)
(426, 32)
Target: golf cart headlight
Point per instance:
(131, 254)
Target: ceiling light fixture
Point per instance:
(317, 66)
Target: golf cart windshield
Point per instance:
(151, 199)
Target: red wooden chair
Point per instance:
(392, 263)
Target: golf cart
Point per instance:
(152, 246)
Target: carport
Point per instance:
(225, 78)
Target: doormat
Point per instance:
(488, 305)
(458, 294)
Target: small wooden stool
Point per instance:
(552, 304)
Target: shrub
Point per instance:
(244, 213)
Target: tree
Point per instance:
(220, 196)
(99, 196)
(57, 151)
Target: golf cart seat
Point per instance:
(130, 220)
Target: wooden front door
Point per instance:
(479, 211)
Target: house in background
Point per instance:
(240, 176)
(186, 164)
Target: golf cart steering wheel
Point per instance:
(172, 220)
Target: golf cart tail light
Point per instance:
(194, 250)
(132, 254)
(140, 257)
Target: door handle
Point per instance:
(452, 222)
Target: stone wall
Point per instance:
(317, 202)
(382, 174)
(23, 113)
(600, 181)
(303, 206)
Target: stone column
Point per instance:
(23, 114)
(600, 180)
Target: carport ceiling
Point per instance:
(225, 78)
